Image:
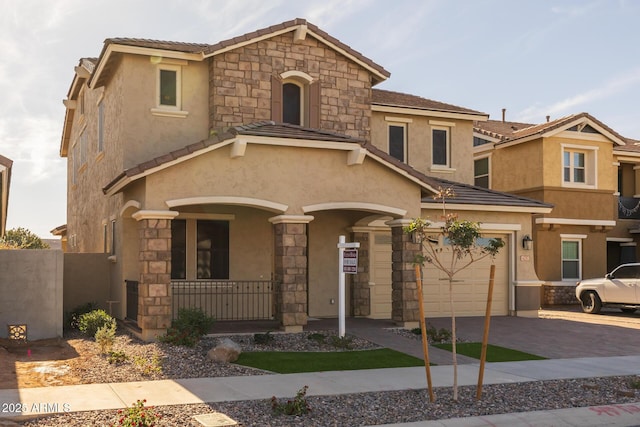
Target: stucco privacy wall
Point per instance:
(31, 289)
(87, 279)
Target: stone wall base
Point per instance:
(559, 294)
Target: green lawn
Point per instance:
(284, 362)
(494, 352)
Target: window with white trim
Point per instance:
(168, 101)
(481, 172)
(440, 146)
(578, 166)
(398, 141)
(571, 259)
(293, 96)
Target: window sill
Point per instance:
(169, 113)
(577, 185)
(443, 169)
(112, 258)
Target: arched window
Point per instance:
(295, 99)
(292, 108)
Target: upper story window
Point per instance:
(440, 147)
(292, 106)
(295, 99)
(481, 172)
(398, 141)
(578, 166)
(169, 88)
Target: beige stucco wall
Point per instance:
(419, 151)
(295, 177)
(508, 164)
(548, 252)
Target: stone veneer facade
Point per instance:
(240, 84)
(290, 262)
(404, 293)
(154, 289)
(360, 290)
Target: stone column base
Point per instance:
(408, 325)
(292, 329)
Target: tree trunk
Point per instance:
(453, 342)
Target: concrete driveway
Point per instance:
(558, 333)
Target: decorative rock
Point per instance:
(226, 351)
(626, 393)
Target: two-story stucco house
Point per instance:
(5, 180)
(588, 172)
(222, 175)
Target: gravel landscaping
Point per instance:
(362, 409)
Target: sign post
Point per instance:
(347, 264)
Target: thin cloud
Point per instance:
(579, 102)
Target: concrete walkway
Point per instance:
(30, 401)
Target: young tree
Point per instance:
(458, 239)
(21, 238)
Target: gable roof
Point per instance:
(266, 129)
(521, 132)
(464, 194)
(398, 99)
(200, 51)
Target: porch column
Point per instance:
(154, 288)
(290, 270)
(360, 290)
(404, 294)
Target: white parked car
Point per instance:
(616, 289)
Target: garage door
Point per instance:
(380, 286)
(470, 287)
(469, 290)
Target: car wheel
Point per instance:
(628, 310)
(591, 302)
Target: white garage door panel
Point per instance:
(469, 288)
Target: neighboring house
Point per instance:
(5, 181)
(233, 168)
(587, 171)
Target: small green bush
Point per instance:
(105, 336)
(71, 318)
(317, 337)
(341, 342)
(188, 328)
(435, 335)
(89, 323)
(265, 338)
(138, 416)
(117, 357)
(297, 406)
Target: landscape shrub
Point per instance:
(188, 328)
(265, 338)
(106, 335)
(297, 406)
(71, 318)
(90, 322)
(138, 416)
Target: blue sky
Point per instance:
(532, 57)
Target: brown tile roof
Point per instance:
(285, 130)
(499, 129)
(398, 99)
(632, 145)
(159, 44)
(511, 131)
(5, 161)
(266, 128)
(294, 23)
(464, 194)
